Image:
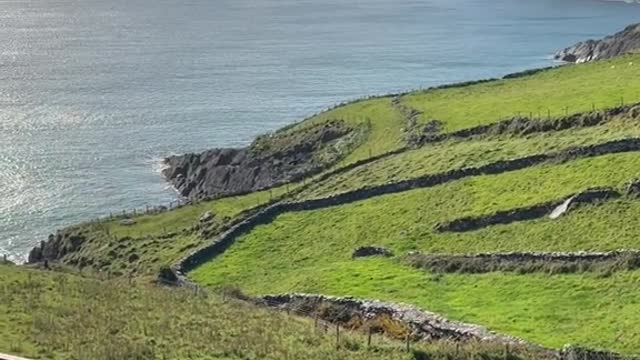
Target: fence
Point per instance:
(369, 328)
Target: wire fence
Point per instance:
(370, 328)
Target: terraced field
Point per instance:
(487, 149)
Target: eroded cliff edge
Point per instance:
(623, 42)
(269, 161)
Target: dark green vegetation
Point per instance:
(310, 251)
(51, 315)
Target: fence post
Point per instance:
(337, 336)
(408, 342)
(369, 336)
(506, 351)
(315, 321)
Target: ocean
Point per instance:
(93, 94)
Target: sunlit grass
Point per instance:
(46, 315)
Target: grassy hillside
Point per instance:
(311, 250)
(46, 315)
(569, 89)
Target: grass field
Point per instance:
(456, 154)
(46, 315)
(385, 126)
(553, 310)
(564, 90)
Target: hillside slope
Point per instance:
(49, 315)
(449, 172)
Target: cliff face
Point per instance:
(268, 161)
(627, 40)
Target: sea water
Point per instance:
(94, 93)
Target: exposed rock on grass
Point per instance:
(365, 251)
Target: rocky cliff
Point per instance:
(625, 41)
(269, 161)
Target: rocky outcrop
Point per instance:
(365, 251)
(56, 247)
(527, 262)
(625, 41)
(269, 161)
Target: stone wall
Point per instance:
(522, 125)
(422, 325)
(526, 213)
(527, 262)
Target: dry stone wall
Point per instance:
(527, 213)
(527, 262)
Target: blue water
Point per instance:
(94, 93)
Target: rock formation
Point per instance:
(365, 251)
(56, 247)
(625, 41)
(270, 160)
